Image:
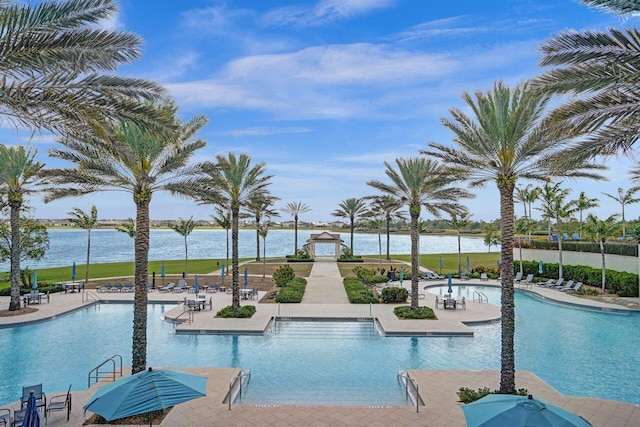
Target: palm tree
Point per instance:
(598, 230)
(128, 158)
(460, 222)
(391, 208)
(295, 209)
(263, 230)
(129, 228)
(625, 198)
(376, 221)
(232, 183)
(256, 208)
(85, 221)
(52, 56)
(223, 219)
(419, 182)
(508, 140)
(351, 208)
(527, 196)
(549, 194)
(491, 236)
(184, 228)
(582, 203)
(20, 175)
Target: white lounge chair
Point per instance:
(518, 277)
(483, 276)
(575, 288)
(528, 281)
(568, 285)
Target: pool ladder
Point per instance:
(97, 375)
(235, 386)
(411, 390)
(479, 297)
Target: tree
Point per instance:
(231, 184)
(184, 227)
(126, 157)
(509, 139)
(351, 208)
(257, 207)
(419, 182)
(52, 57)
(598, 230)
(549, 195)
(583, 203)
(223, 219)
(527, 196)
(34, 240)
(20, 175)
(263, 230)
(85, 221)
(491, 236)
(625, 198)
(295, 209)
(129, 228)
(391, 208)
(375, 221)
(460, 222)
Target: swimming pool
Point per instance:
(576, 351)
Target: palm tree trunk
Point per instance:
(520, 246)
(379, 250)
(235, 302)
(295, 235)
(559, 256)
(388, 228)
(580, 224)
(227, 259)
(604, 270)
(623, 231)
(14, 219)
(507, 370)
(352, 226)
(264, 257)
(86, 273)
(257, 240)
(459, 255)
(414, 211)
(186, 256)
(139, 346)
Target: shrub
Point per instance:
(406, 312)
(379, 279)
(283, 275)
(357, 292)
(393, 294)
(364, 274)
(292, 292)
(244, 311)
(468, 395)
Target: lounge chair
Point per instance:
(568, 285)
(483, 276)
(549, 282)
(558, 284)
(128, 287)
(105, 288)
(167, 288)
(5, 419)
(181, 286)
(576, 236)
(150, 287)
(59, 403)
(213, 288)
(117, 287)
(528, 281)
(463, 276)
(576, 287)
(565, 236)
(41, 398)
(518, 277)
(439, 302)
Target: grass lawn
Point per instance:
(450, 261)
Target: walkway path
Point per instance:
(324, 285)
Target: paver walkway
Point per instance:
(324, 285)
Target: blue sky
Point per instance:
(324, 91)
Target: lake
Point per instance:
(70, 245)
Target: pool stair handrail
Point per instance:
(97, 375)
(235, 386)
(411, 389)
(479, 296)
(88, 296)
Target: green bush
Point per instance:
(292, 292)
(468, 395)
(393, 295)
(379, 279)
(244, 311)
(406, 312)
(283, 275)
(364, 274)
(357, 292)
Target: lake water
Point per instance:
(70, 245)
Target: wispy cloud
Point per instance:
(448, 27)
(322, 13)
(264, 131)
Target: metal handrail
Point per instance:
(481, 296)
(237, 379)
(99, 375)
(87, 296)
(408, 380)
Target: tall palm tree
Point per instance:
(507, 140)
(184, 227)
(85, 221)
(258, 207)
(391, 208)
(549, 195)
(561, 212)
(625, 198)
(527, 196)
(128, 228)
(52, 57)
(232, 183)
(20, 175)
(295, 209)
(599, 70)
(460, 222)
(263, 231)
(223, 219)
(598, 230)
(351, 208)
(128, 158)
(583, 203)
(420, 182)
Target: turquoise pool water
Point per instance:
(578, 352)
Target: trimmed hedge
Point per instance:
(612, 248)
(357, 292)
(244, 311)
(292, 292)
(406, 312)
(393, 295)
(43, 288)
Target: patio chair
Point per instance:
(18, 417)
(558, 284)
(528, 281)
(167, 288)
(463, 276)
(117, 287)
(425, 275)
(436, 276)
(518, 277)
(575, 288)
(181, 286)
(450, 303)
(461, 302)
(568, 285)
(213, 288)
(483, 276)
(41, 398)
(439, 302)
(5, 418)
(35, 297)
(105, 288)
(576, 236)
(59, 403)
(549, 282)
(128, 287)
(192, 304)
(565, 236)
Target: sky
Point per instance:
(324, 91)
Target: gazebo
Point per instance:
(324, 237)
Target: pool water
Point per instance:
(576, 351)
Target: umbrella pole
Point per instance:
(150, 420)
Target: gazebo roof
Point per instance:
(325, 237)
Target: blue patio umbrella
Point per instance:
(144, 392)
(73, 271)
(246, 276)
(196, 286)
(34, 280)
(222, 271)
(468, 264)
(162, 273)
(540, 268)
(31, 416)
(449, 290)
(511, 410)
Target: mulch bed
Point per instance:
(19, 312)
(135, 420)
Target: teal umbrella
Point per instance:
(440, 263)
(73, 271)
(144, 392)
(513, 411)
(162, 273)
(450, 289)
(401, 275)
(246, 276)
(540, 268)
(196, 287)
(468, 264)
(34, 280)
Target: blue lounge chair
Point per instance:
(528, 281)
(181, 286)
(128, 287)
(574, 289)
(117, 287)
(558, 284)
(518, 277)
(565, 236)
(569, 285)
(167, 288)
(576, 236)
(105, 288)
(554, 238)
(549, 282)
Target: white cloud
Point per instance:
(322, 13)
(264, 131)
